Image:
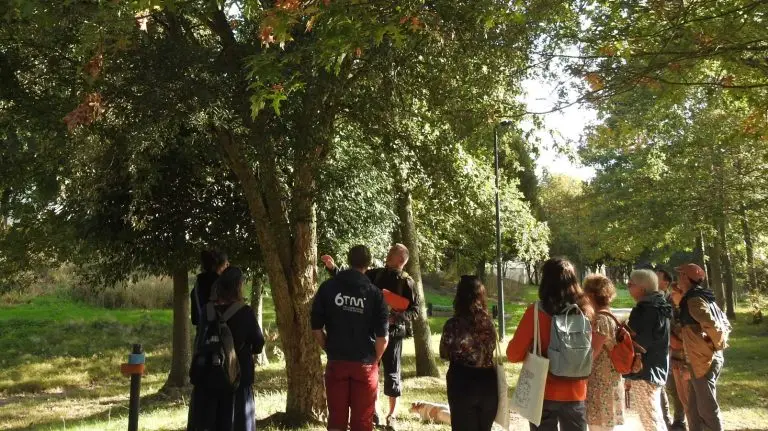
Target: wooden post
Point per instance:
(135, 369)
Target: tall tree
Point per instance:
(271, 84)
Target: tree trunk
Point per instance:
(480, 269)
(425, 358)
(700, 256)
(290, 254)
(750, 250)
(716, 273)
(728, 279)
(257, 293)
(181, 351)
(283, 212)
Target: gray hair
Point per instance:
(645, 278)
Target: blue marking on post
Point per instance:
(136, 358)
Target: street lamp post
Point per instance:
(499, 276)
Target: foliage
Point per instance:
(567, 216)
(665, 47)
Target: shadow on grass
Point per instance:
(148, 404)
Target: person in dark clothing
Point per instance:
(675, 419)
(212, 263)
(650, 321)
(231, 411)
(349, 321)
(393, 278)
(469, 342)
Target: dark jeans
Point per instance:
(391, 361)
(703, 409)
(571, 415)
(472, 397)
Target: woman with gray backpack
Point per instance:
(222, 369)
(563, 313)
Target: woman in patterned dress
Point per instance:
(605, 409)
(468, 342)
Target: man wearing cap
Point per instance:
(705, 334)
(676, 361)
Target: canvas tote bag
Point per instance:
(529, 394)
(502, 410)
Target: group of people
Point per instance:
(677, 326)
(679, 331)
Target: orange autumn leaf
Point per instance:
(649, 82)
(266, 35)
(93, 67)
(607, 50)
(85, 113)
(596, 82)
(727, 81)
(287, 4)
(704, 40)
(754, 122)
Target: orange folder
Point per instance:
(397, 302)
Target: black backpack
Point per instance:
(215, 366)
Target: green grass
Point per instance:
(60, 361)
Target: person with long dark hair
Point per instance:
(468, 342)
(563, 397)
(231, 411)
(212, 264)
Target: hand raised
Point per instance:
(328, 261)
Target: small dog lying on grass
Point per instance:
(431, 412)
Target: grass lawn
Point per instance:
(60, 359)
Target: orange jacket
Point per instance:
(557, 389)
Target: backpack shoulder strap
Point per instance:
(231, 310)
(196, 297)
(611, 315)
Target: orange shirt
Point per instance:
(557, 389)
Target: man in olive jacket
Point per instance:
(705, 332)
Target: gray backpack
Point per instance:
(570, 344)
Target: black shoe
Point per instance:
(678, 426)
(391, 424)
(376, 421)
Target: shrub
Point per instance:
(145, 293)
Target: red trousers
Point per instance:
(351, 391)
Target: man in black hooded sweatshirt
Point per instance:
(650, 321)
(393, 278)
(350, 322)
